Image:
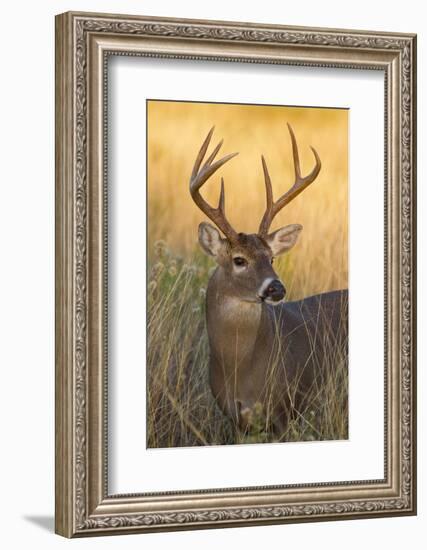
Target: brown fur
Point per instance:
(260, 353)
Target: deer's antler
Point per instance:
(299, 185)
(200, 175)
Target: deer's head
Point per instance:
(247, 259)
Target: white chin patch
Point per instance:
(272, 303)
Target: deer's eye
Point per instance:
(272, 260)
(240, 262)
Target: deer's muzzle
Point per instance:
(274, 292)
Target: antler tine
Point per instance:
(268, 188)
(202, 153)
(298, 187)
(199, 177)
(213, 154)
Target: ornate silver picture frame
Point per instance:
(84, 43)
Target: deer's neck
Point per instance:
(233, 326)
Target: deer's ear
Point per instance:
(210, 239)
(284, 238)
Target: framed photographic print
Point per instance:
(235, 274)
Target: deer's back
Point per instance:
(313, 333)
(321, 312)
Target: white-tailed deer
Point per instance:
(264, 353)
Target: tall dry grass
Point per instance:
(181, 410)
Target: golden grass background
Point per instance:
(181, 409)
(176, 131)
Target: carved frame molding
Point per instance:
(83, 42)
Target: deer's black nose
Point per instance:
(275, 291)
